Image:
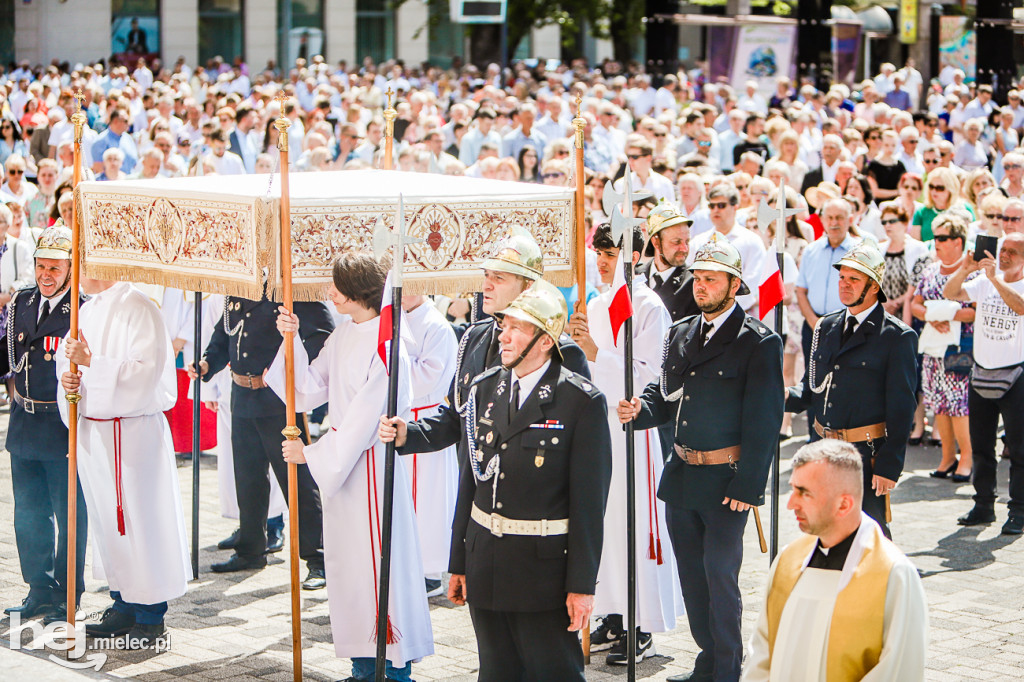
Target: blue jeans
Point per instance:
(145, 614)
(364, 669)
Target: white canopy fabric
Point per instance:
(218, 233)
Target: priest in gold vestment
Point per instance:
(843, 603)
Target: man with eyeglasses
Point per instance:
(909, 138)
(704, 154)
(15, 185)
(996, 387)
(723, 202)
(641, 154)
(1013, 216)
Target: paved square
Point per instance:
(236, 626)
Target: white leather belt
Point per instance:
(499, 525)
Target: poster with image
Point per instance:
(763, 53)
(135, 36)
(957, 45)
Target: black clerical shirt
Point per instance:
(833, 558)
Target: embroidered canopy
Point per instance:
(219, 233)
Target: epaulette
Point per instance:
(681, 320)
(486, 373)
(581, 383)
(757, 326)
(897, 322)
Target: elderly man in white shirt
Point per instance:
(640, 154)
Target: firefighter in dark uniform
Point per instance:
(668, 233)
(38, 319)
(862, 377)
(516, 264)
(721, 385)
(668, 242)
(528, 530)
(248, 339)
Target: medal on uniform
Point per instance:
(490, 437)
(538, 461)
(21, 336)
(465, 379)
(487, 412)
(50, 344)
(479, 455)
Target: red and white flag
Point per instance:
(771, 290)
(621, 307)
(385, 323)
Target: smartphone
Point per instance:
(983, 243)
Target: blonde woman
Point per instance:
(941, 193)
(789, 152)
(978, 180)
(990, 217)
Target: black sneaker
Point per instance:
(644, 648)
(112, 623)
(144, 636)
(434, 587)
(1014, 525)
(606, 635)
(978, 516)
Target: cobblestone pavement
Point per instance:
(236, 626)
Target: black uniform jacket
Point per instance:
(445, 428)
(41, 435)
(555, 463)
(247, 337)
(732, 395)
(874, 379)
(676, 293)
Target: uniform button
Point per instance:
(248, 314)
(719, 372)
(499, 505)
(30, 366)
(684, 423)
(542, 442)
(693, 374)
(245, 333)
(830, 404)
(245, 355)
(501, 476)
(837, 366)
(554, 441)
(31, 347)
(686, 397)
(565, 551)
(504, 446)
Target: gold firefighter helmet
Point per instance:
(517, 254)
(54, 242)
(865, 259)
(663, 216)
(720, 255)
(543, 306)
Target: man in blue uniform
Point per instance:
(861, 377)
(529, 522)
(721, 385)
(248, 339)
(38, 318)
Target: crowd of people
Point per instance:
(906, 240)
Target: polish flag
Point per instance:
(771, 290)
(621, 307)
(384, 323)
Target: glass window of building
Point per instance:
(303, 23)
(135, 29)
(220, 30)
(375, 30)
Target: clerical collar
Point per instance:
(834, 557)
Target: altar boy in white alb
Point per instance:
(347, 464)
(659, 599)
(125, 456)
(843, 602)
(431, 345)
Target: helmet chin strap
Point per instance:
(726, 302)
(863, 295)
(64, 285)
(526, 351)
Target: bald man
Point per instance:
(843, 602)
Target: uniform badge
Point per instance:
(501, 388)
(66, 309)
(21, 336)
(487, 412)
(479, 455)
(544, 391)
(490, 437)
(465, 379)
(538, 461)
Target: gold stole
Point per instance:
(855, 634)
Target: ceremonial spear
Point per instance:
(620, 208)
(383, 239)
(765, 216)
(78, 119)
(290, 431)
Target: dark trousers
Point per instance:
(806, 337)
(527, 646)
(984, 422)
(708, 544)
(145, 614)
(256, 442)
(872, 504)
(41, 526)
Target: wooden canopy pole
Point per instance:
(79, 120)
(579, 123)
(291, 431)
(389, 132)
